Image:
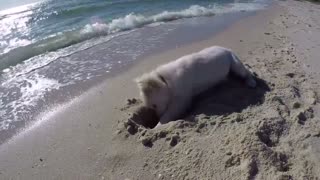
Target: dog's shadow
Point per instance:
(228, 97)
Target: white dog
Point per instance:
(170, 88)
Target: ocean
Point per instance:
(54, 50)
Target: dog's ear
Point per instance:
(149, 83)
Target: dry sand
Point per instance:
(231, 132)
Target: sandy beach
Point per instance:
(231, 131)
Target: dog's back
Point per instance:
(197, 72)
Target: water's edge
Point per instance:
(183, 34)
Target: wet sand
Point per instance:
(231, 132)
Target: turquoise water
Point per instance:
(52, 50)
(33, 29)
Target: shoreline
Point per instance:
(84, 144)
(181, 34)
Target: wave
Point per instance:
(97, 29)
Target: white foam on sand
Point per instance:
(32, 90)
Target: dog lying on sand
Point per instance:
(169, 89)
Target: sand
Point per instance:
(231, 131)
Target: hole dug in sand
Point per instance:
(145, 117)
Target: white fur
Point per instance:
(170, 88)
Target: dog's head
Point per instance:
(154, 92)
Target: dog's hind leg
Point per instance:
(240, 70)
(175, 109)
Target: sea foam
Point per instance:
(132, 20)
